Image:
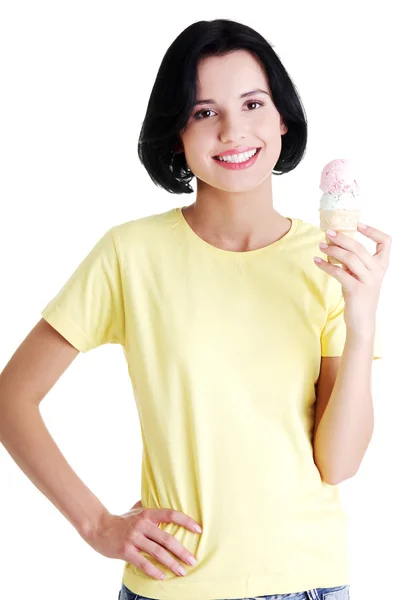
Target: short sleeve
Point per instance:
(333, 335)
(89, 309)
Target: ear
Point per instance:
(284, 128)
(178, 147)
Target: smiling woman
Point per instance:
(227, 325)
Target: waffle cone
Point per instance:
(344, 221)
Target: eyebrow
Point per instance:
(210, 101)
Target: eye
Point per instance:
(208, 110)
(255, 102)
(201, 112)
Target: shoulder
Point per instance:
(304, 246)
(308, 232)
(143, 229)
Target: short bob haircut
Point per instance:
(174, 94)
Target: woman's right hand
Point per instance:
(124, 536)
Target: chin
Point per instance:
(236, 189)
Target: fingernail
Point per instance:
(181, 570)
(331, 232)
(362, 226)
(192, 560)
(197, 528)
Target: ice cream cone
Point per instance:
(344, 221)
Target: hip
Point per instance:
(341, 592)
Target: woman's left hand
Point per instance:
(361, 276)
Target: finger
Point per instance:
(161, 555)
(349, 259)
(384, 241)
(168, 541)
(134, 557)
(170, 515)
(340, 274)
(344, 241)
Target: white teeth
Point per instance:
(237, 158)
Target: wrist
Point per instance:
(91, 525)
(361, 335)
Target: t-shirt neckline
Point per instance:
(234, 253)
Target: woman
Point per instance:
(232, 335)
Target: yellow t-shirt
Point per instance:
(223, 349)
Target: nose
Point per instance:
(231, 130)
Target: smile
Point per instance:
(238, 161)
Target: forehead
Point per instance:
(233, 70)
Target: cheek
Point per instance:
(195, 158)
(198, 150)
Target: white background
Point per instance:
(75, 79)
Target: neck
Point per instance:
(235, 221)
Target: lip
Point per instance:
(238, 150)
(233, 166)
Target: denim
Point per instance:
(341, 592)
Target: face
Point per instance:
(230, 121)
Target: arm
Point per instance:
(30, 373)
(344, 418)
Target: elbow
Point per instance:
(336, 478)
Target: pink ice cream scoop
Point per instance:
(338, 177)
(340, 204)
